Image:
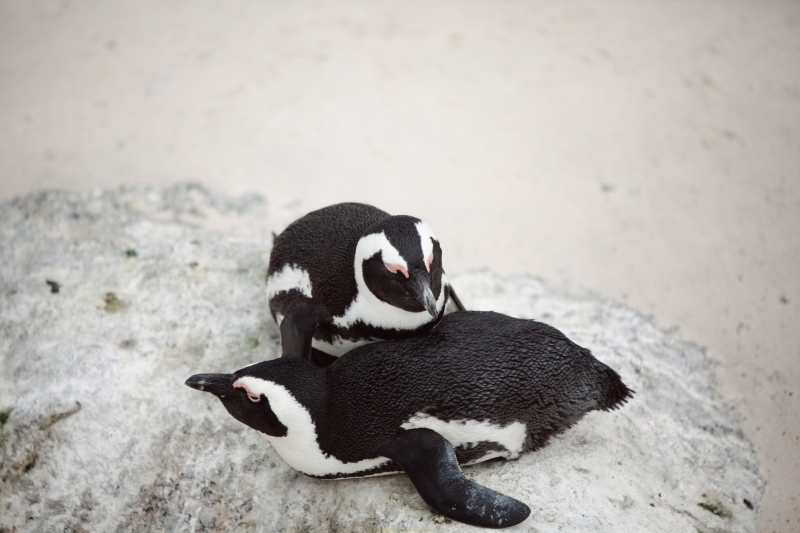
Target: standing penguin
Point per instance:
(349, 274)
(480, 385)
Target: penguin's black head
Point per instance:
(263, 394)
(243, 404)
(400, 262)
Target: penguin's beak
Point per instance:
(216, 384)
(419, 286)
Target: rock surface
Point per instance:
(110, 300)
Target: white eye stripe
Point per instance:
(372, 244)
(426, 238)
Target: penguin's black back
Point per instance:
(480, 366)
(323, 243)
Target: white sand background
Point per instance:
(648, 152)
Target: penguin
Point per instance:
(479, 386)
(350, 274)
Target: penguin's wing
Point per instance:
(297, 330)
(430, 462)
(456, 299)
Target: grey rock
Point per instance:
(103, 436)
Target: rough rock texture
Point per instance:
(109, 301)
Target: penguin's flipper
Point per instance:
(430, 462)
(456, 299)
(297, 330)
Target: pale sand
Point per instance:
(649, 153)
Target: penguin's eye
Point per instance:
(255, 398)
(395, 269)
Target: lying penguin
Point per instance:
(480, 385)
(349, 274)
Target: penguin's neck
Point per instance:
(309, 386)
(309, 445)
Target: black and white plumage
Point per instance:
(480, 385)
(349, 274)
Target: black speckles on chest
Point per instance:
(471, 452)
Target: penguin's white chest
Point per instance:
(369, 310)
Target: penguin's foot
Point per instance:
(430, 462)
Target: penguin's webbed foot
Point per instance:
(430, 462)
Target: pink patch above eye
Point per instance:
(428, 261)
(239, 385)
(394, 269)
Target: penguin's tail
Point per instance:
(613, 392)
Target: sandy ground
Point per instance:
(648, 152)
